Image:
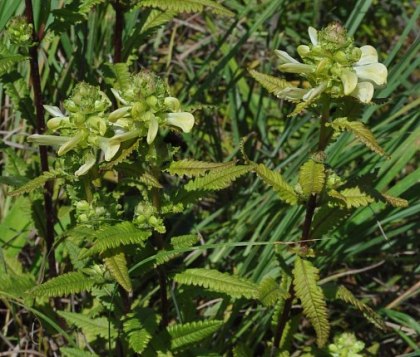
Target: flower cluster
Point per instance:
(333, 65)
(20, 31)
(88, 127)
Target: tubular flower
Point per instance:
(147, 105)
(334, 66)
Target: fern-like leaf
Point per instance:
(352, 197)
(157, 18)
(275, 180)
(117, 266)
(327, 219)
(305, 277)
(8, 59)
(92, 328)
(150, 180)
(312, 177)
(86, 5)
(36, 183)
(214, 280)
(196, 168)
(110, 237)
(217, 180)
(184, 241)
(16, 285)
(193, 332)
(342, 293)
(395, 201)
(188, 6)
(65, 284)
(140, 326)
(269, 292)
(360, 131)
(273, 84)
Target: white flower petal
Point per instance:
(349, 80)
(369, 55)
(172, 104)
(296, 68)
(292, 94)
(363, 92)
(90, 160)
(118, 96)
(109, 147)
(54, 111)
(375, 73)
(153, 129)
(182, 120)
(285, 57)
(314, 92)
(313, 35)
(117, 114)
(71, 144)
(48, 139)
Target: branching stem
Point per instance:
(40, 128)
(306, 232)
(118, 31)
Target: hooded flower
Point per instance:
(146, 105)
(333, 65)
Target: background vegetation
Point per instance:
(205, 58)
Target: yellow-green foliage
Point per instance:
(117, 266)
(189, 333)
(312, 177)
(196, 168)
(305, 278)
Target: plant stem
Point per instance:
(118, 30)
(306, 232)
(40, 128)
(159, 242)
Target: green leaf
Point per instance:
(360, 131)
(273, 84)
(140, 328)
(312, 177)
(92, 328)
(196, 168)
(395, 201)
(75, 352)
(110, 237)
(342, 293)
(188, 6)
(117, 266)
(150, 180)
(352, 197)
(214, 280)
(157, 18)
(217, 180)
(305, 277)
(8, 59)
(275, 180)
(269, 292)
(184, 241)
(16, 285)
(65, 284)
(193, 332)
(36, 183)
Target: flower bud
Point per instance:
(303, 50)
(340, 57)
(138, 109)
(152, 101)
(172, 104)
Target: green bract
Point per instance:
(20, 31)
(334, 66)
(88, 127)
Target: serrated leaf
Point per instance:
(36, 183)
(188, 6)
(184, 241)
(92, 328)
(342, 293)
(395, 201)
(65, 284)
(275, 180)
(273, 84)
(16, 285)
(352, 197)
(157, 18)
(193, 332)
(8, 59)
(117, 266)
(150, 180)
(217, 180)
(312, 177)
(140, 328)
(360, 131)
(110, 237)
(196, 168)
(305, 278)
(214, 280)
(269, 292)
